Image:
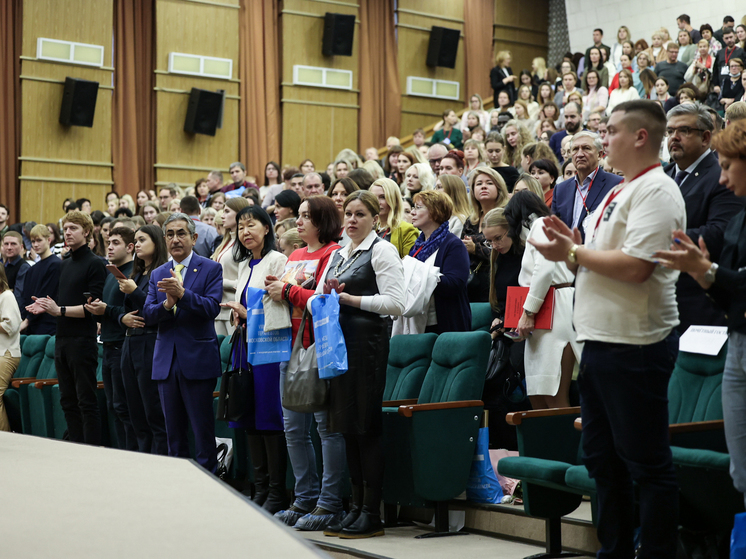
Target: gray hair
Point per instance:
(704, 120)
(217, 175)
(314, 174)
(239, 165)
(178, 216)
(588, 134)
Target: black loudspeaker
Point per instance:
(339, 30)
(203, 112)
(78, 102)
(443, 47)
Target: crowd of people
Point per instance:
(566, 188)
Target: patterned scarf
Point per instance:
(424, 249)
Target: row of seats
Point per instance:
(555, 479)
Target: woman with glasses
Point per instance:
(448, 309)
(550, 354)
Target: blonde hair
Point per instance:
(482, 156)
(349, 155)
(512, 155)
(524, 105)
(79, 218)
(502, 191)
(541, 67)
(417, 154)
(494, 218)
(292, 237)
(456, 190)
(425, 176)
(533, 184)
(206, 212)
(286, 224)
(501, 57)
(393, 197)
(130, 202)
(375, 169)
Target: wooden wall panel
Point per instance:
(317, 123)
(415, 19)
(57, 161)
(193, 28)
(521, 28)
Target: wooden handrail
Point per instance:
(45, 382)
(397, 403)
(16, 382)
(407, 141)
(407, 411)
(696, 427)
(517, 417)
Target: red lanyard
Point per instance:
(620, 186)
(584, 198)
(725, 54)
(416, 252)
(447, 135)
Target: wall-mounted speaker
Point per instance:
(443, 47)
(78, 102)
(339, 31)
(203, 112)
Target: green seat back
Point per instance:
(457, 369)
(409, 359)
(481, 316)
(39, 404)
(32, 353)
(694, 391)
(46, 367)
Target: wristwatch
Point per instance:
(710, 274)
(63, 310)
(572, 256)
(529, 313)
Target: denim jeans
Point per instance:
(624, 406)
(303, 458)
(734, 408)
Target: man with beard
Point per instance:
(573, 123)
(720, 69)
(709, 205)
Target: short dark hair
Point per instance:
(71, 207)
(97, 216)
(81, 201)
(107, 219)
(546, 165)
(190, 205)
(127, 234)
(361, 177)
(171, 190)
(325, 217)
(297, 175)
(6, 209)
(325, 179)
(288, 199)
(599, 30)
(123, 212)
(240, 252)
(648, 115)
(685, 18)
(728, 31)
(728, 19)
(705, 27)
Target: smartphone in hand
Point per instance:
(116, 272)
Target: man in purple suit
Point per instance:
(184, 299)
(576, 198)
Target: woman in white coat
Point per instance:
(550, 355)
(257, 261)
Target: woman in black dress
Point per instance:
(369, 277)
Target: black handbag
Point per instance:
(304, 391)
(499, 358)
(236, 399)
(505, 368)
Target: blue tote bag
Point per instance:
(331, 351)
(264, 347)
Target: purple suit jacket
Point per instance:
(187, 335)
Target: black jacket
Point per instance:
(496, 79)
(729, 289)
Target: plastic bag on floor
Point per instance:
(507, 483)
(225, 456)
(483, 486)
(738, 537)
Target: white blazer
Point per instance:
(276, 314)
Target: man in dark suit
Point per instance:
(184, 299)
(573, 124)
(575, 198)
(709, 205)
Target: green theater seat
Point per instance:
(32, 354)
(409, 359)
(39, 395)
(429, 446)
(481, 316)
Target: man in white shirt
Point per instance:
(626, 312)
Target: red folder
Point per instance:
(514, 308)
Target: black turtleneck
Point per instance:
(82, 272)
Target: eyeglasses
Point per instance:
(436, 160)
(491, 243)
(682, 130)
(418, 208)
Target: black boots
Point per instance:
(261, 475)
(356, 505)
(277, 462)
(368, 523)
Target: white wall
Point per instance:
(642, 17)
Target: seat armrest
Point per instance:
(16, 382)
(696, 427)
(397, 403)
(517, 417)
(100, 385)
(45, 382)
(216, 394)
(407, 411)
(578, 424)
